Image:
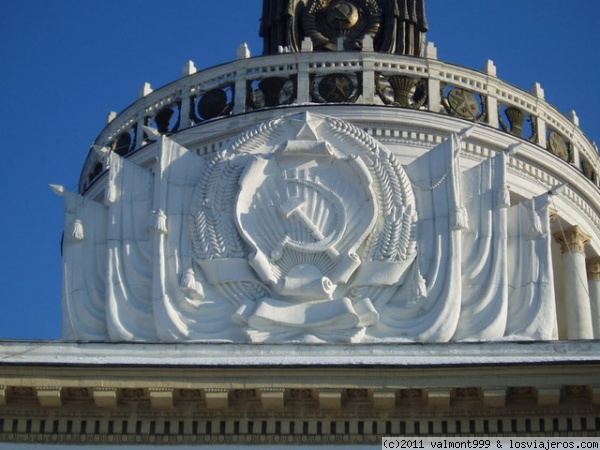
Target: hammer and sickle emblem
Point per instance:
(344, 14)
(296, 208)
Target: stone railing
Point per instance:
(365, 78)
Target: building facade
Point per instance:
(343, 239)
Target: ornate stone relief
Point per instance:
(309, 213)
(306, 229)
(572, 240)
(593, 269)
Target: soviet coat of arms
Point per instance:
(302, 224)
(305, 229)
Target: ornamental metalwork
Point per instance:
(167, 119)
(340, 24)
(398, 26)
(271, 92)
(464, 104)
(124, 143)
(336, 88)
(214, 103)
(402, 91)
(559, 146)
(517, 122)
(210, 94)
(588, 170)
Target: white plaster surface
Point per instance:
(289, 355)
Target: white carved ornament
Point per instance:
(295, 219)
(305, 229)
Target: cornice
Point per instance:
(416, 355)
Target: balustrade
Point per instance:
(366, 78)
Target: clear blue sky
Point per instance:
(65, 64)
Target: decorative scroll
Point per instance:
(336, 88)
(559, 146)
(464, 104)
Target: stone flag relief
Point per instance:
(306, 229)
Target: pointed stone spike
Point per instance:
(243, 52)
(574, 117)
(189, 68)
(111, 116)
(146, 89)
(431, 51)
(58, 189)
(538, 91)
(490, 68)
